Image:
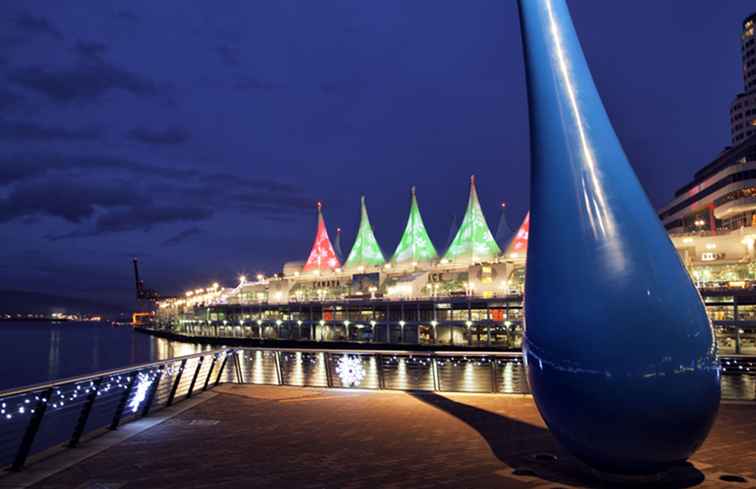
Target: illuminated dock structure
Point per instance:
(469, 295)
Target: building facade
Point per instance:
(470, 295)
(743, 108)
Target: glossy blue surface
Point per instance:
(620, 353)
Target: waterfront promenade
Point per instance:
(280, 436)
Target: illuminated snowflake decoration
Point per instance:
(350, 370)
(144, 382)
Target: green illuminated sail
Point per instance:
(473, 242)
(415, 245)
(365, 251)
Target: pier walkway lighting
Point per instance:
(242, 279)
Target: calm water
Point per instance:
(35, 352)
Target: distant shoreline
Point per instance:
(41, 320)
(51, 320)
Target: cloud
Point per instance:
(343, 88)
(145, 217)
(31, 24)
(86, 81)
(73, 201)
(273, 203)
(182, 236)
(127, 16)
(97, 207)
(9, 100)
(104, 195)
(230, 55)
(229, 180)
(25, 166)
(251, 83)
(90, 49)
(169, 136)
(26, 131)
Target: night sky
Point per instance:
(199, 135)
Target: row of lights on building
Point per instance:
(387, 266)
(346, 322)
(213, 288)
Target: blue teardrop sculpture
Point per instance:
(620, 353)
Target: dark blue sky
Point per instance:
(198, 135)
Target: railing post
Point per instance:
(434, 374)
(86, 409)
(329, 377)
(194, 377)
(31, 430)
(237, 364)
(220, 372)
(210, 372)
(176, 382)
(124, 399)
(493, 374)
(379, 361)
(279, 371)
(151, 395)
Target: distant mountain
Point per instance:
(18, 301)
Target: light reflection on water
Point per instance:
(35, 352)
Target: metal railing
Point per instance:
(479, 371)
(57, 413)
(42, 416)
(469, 371)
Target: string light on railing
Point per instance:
(144, 382)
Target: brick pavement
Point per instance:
(286, 437)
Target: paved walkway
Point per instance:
(286, 437)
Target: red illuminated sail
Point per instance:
(322, 256)
(520, 242)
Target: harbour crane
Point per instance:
(143, 293)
